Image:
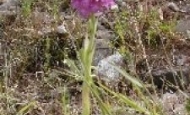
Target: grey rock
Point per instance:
(183, 26)
(61, 29)
(104, 34)
(173, 75)
(101, 54)
(181, 60)
(169, 100)
(102, 43)
(102, 50)
(180, 109)
(106, 71)
(173, 104)
(172, 6)
(9, 10)
(9, 5)
(186, 8)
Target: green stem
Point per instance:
(47, 53)
(86, 58)
(86, 99)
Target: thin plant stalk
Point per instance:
(86, 54)
(47, 53)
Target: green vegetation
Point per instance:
(52, 73)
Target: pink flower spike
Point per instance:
(90, 7)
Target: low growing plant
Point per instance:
(88, 9)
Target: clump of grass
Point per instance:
(26, 7)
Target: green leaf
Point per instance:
(72, 65)
(26, 108)
(127, 76)
(127, 101)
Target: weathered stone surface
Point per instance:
(8, 11)
(104, 34)
(173, 105)
(186, 8)
(9, 5)
(105, 69)
(101, 54)
(172, 6)
(173, 75)
(181, 60)
(61, 29)
(102, 43)
(182, 26)
(103, 50)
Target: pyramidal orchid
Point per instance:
(87, 8)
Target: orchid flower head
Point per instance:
(89, 7)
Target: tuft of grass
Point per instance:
(26, 7)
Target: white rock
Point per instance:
(105, 69)
(174, 103)
(61, 29)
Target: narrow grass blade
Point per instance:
(72, 65)
(127, 76)
(127, 101)
(26, 108)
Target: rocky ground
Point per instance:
(30, 74)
